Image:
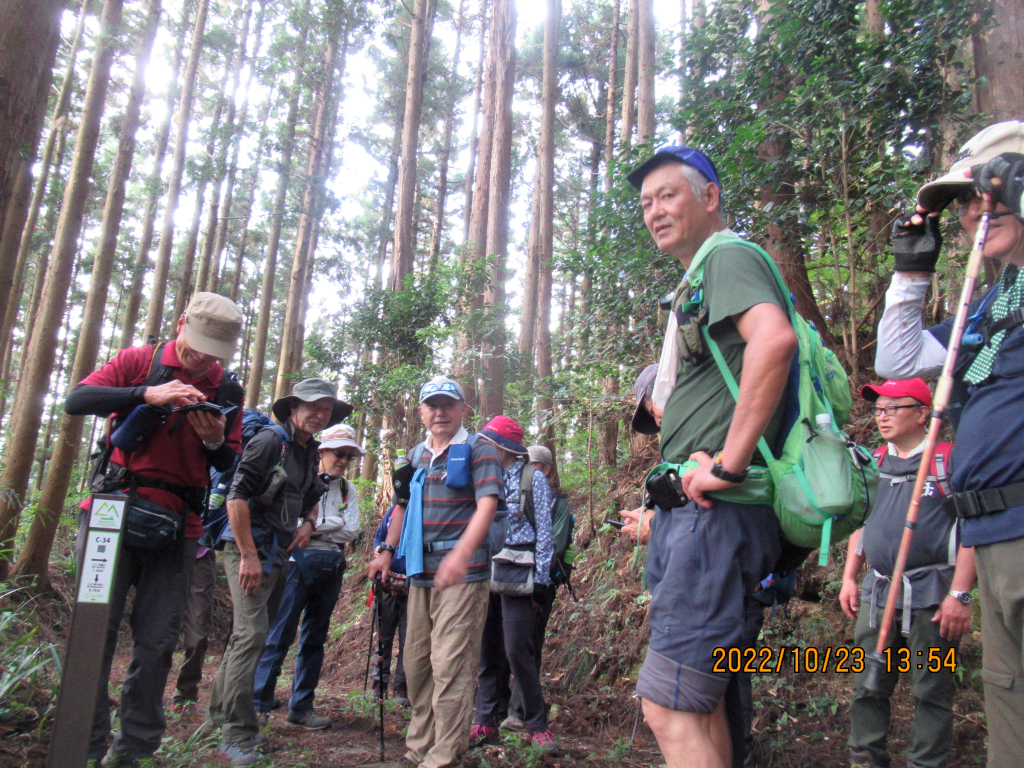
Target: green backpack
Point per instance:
(821, 484)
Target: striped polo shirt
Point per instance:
(447, 511)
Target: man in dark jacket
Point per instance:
(168, 468)
(275, 486)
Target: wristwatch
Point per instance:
(722, 473)
(386, 548)
(311, 521)
(963, 597)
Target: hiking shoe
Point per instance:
(277, 703)
(401, 693)
(483, 734)
(184, 707)
(545, 740)
(207, 729)
(262, 718)
(117, 760)
(309, 720)
(240, 752)
(379, 691)
(513, 723)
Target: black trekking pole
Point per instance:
(875, 661)
(636, 722)
(369, 652)
(380, 664)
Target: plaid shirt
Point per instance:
(519, 529)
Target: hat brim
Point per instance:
(871, 392)
(937, 195)
(642, 421)
(282, 409)
(637, 175)
(222, 350)
(503, 442)
(328, 445)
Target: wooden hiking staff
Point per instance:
(875, 661)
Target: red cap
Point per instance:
(506, 433)
(915, 388)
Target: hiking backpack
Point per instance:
(938, 472)
(563, 525)
(819, 482)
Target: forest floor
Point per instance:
(592, 656)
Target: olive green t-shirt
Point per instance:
(699, 410)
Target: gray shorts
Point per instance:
(701, 565)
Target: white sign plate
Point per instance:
(106, 513)
(98, 567)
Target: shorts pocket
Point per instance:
(998, 679)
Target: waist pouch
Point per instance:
(323, 563)
(512, 572)
(150, 526)
(666, 492)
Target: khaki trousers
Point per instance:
(442, 651)
(1001, 589)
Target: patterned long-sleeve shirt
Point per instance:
(519, 529)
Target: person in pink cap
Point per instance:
(935, 594)
(512, 613)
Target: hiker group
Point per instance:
(756, 472)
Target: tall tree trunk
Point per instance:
(19, 225)
(609, 109)
(474, 138)
(390, 187)
(237, 133)
(141, 265)
(446, 146)
(162, 266)
(207, 173)
(259, 347)
(546, 169)
(35, 555)
(250, 197)
(405, 213)
(34, 381)
(629, 84)
(874, 20)
(29, 37)
(503, 47)
(291, 335)
(645, 92)
(475, 249)
(531, 282)
(999, 63)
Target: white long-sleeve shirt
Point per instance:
(338, 521)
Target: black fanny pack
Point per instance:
(969, 504)
(150, 526)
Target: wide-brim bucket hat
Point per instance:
(309, 391)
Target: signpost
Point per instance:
(83, 657)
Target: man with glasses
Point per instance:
(935, 610)
(988, 477)
(312, 588)
(441, 527)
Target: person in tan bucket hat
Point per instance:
(988, 460)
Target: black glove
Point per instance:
(916, 247)
(400, 479)
(1009, 169)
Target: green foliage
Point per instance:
(30, 666)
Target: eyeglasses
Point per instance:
(447, 386)
(890, 410)
(343, 454)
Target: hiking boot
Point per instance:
(240, 752)
(309, 720)
(545, 740)
(401, 693)
(513, 723)
(262, 718)
(184, 707)
(377, 688)
(483, 734)
(207, 729)
(117, 760)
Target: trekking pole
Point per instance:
(380, 664)
(369, 652)
(876, 665)
(636, 722)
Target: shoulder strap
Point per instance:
(286, 441)
(526, 495)
(940, 468)
(416, 455)
(879, 453)
(158, 374)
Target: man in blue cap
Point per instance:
(697, 603)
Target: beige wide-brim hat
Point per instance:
(340, 436)
(1002, 137)
(213, 324)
